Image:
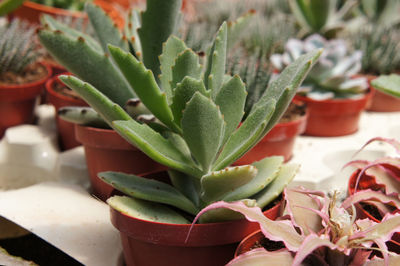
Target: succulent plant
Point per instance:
(379, 46)
(17, 47)
(199, 110)
(321, 16)
(389, 84)
(316, 230)
(73, 5)
(7, 6)
(83, 55)
(332, 76)
(382, 12)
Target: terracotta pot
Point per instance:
(105, 150)
(66, 132)
(31, 11)
(279, 141)
(150, 243)
(335, 117)
(17, 102)
(249, 242)
(368, 182)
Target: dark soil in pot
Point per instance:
(281, 139)
(31, 74)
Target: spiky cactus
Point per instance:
(200, 109)
(380, 47)
(17, 47)
(332, 75)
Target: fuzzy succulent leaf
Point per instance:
(236, 28)
(82, 60)
(203, 129)
(275, 188)
(260, 256)
(7, 6)
(148, 189)
(108, 110)
(245, 136)
(155, 146)
(267, 171)
(389, 84)
(171, 49)
(82, 116)
(216, 185)
(187, 185)
(143, 83)
(214, 74)
(158, 23)
(54, 25)
(106, 30)
(131, 32)
(231, 100)
(183, 93)
(311, 14)
(146, 210)
(186, 65)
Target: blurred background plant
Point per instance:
(73, 5)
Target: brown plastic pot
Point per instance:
(66, 132)
(334, 117)
(159, 244)
(279, 141)
(105, 150)
(17, 102)
(368, 182)
(380, 101)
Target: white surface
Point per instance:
(322, 159)
(67, 217)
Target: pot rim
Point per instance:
(50, 89)
(335, 100)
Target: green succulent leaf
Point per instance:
(107, 109)
(105, 29)
(171, 49)
(214, 74)
(178, 142)
(131, 33)
(235, 28)
(54, 25)
(83, 116)
(187, 185)
(148, 189)
(216, 185)
(224, 215)
(81, 59)
(203, 129)
(7, 6)
(182, 95)
(268, 170)
(158, 23)
(246, 136)
(275, 188)
(389, 84)
(145, 86)
(312, 14)
(186, 65)
(231, 100)
(146, 210)
(155, 146)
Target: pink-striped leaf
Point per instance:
(260, 256)
(310, 243)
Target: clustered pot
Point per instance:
(105, 150)
(334, 117)
(150, 243)
(279, 141)
(17, 102)
(65, 129)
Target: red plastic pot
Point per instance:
(249, 242)
(105, 150)
(380, 101)
(158, 244)
(66, 132)
(279, 141)
(335, 117)
(368, 182)
(17, 102)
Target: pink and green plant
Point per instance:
(316, 230)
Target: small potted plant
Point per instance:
(22, 77)
(197, 136)
(316, 230)
(380, 47)
(334, 97)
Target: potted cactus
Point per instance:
(195, 135)
(316, 230)
(22, 77)
(380, 46)
(334, 97)
(256, 73)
